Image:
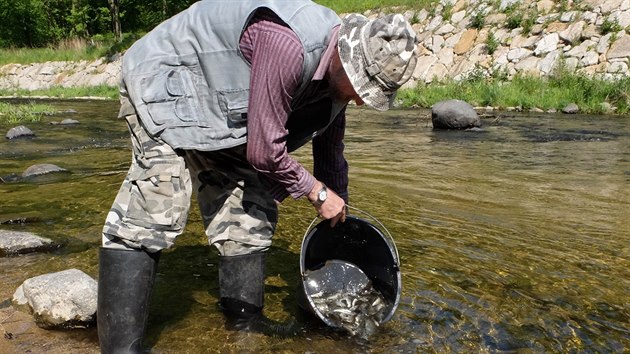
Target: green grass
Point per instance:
(40, 55)
(102, 91)
(17, 113)
(346, 6)
(526, 92)
(71, 50)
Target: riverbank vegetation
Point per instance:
(101, 91)
(69, 50)
(592, 95)
(17, 113)
(345, 6)
(72, 30)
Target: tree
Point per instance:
(114, 6)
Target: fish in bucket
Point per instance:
(350, 274)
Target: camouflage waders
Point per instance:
(152, 205)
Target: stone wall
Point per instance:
(517, 36)
(549, 33)
(60, 73)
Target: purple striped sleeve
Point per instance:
(276, 58)
(330, 166)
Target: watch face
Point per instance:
(322, 195)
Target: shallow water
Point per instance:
(513, 237)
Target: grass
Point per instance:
(30, 112)
(527, 92)
(40, 55)
(70, 50)
(102, 91)
(346, 6)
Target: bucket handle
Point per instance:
(310, 227)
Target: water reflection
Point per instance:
(512, 237)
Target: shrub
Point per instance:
(528, 22)
(491, 43)
(610, 26)
(514, 20)
(478, 20)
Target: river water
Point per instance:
(515, 237)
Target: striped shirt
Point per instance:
(276, 57)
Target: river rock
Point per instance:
(65, 299)
(66, 121)
(19, 242)
(19, 132)
(41, 169)
(9, 178)
(454, 114)
(571, 108)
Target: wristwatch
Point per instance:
(321, 196)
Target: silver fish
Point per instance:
(344, 295)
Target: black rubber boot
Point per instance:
(241, 288)
(241, 284)
(124, 287)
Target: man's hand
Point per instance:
(333, 208)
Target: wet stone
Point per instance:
(571, 108)
(454, 114)
(19, 132)
(18, 242)
(65, 299)
(66, 121)
(9, 178)
(41, 169)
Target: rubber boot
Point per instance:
(241, 289)
(124, 287)
(241, 285)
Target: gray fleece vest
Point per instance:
(189, 82)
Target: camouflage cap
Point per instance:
(378, 56)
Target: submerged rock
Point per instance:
(19, 132)
(41, 169)
(17, 242)
(9, 178)
(65, 299)
(66, 121)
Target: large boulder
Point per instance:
(65, 299)
(454, 114)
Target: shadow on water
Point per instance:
(512, 238)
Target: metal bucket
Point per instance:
(349, 250)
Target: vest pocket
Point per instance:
(233, 104)
(170, 97)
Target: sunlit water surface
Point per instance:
(513, 237)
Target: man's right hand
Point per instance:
(333, 208)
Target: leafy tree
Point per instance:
(39, 23)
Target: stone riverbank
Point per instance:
(457, 38)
